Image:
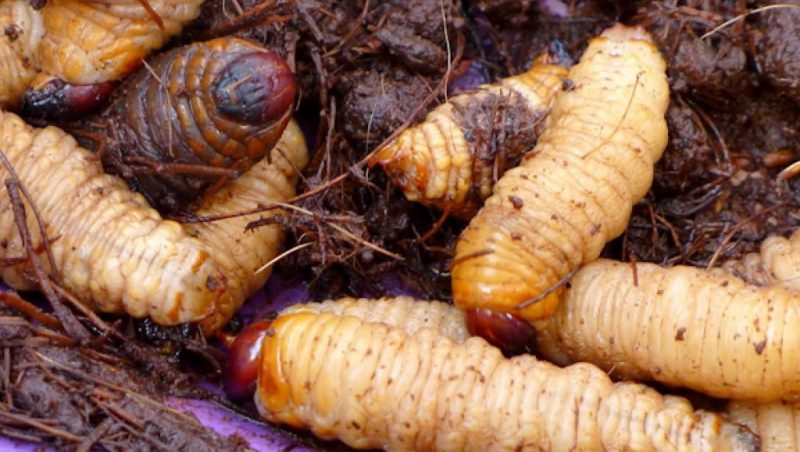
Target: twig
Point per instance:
(548, 291)
(14, 301)
(152, 13)
(743, 15)
(735, 229)
(25, 420)
(282, 255)
(71, 324)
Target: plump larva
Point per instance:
(681, 326)
(373, 385)
(216, 104)
(557, 210)
(776, 423)
(81, 41)
(452, 159)
(115, 253)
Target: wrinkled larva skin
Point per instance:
(411, 314)
(452, 159)
(115, 253)
(374, 385)
(575, 192)
(681, 326)
(776, 423)
(83, 41)
(240, 252)
(777, 263)
(21, 31)
(221, 103)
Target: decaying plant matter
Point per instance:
(175, 127)
(453, 158)
(81, 42)
(116, 254)
(681, 326)
(557, 210)
(776, 423)
(375, 385)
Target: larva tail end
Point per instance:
(735, 437)
(620, 32)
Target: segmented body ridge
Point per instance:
(681, 326)
(116, 254)
(575, 191)
(375, 386)
(452, 159)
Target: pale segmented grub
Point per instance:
(452, 159)
(116, 254)
(681, 326)
(574, 193)
(374, 385)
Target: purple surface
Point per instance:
(12, 444)
(556, 8)
(474, 76)
(280, 292)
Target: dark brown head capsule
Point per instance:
(507, 332)
(194, 117)
(57, 99)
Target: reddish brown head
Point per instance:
(56, 99)
(256, 87)
(507, 332)
(242, 362)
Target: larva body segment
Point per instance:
(776, 423)
(81, 42)
(373, 385)
(681, 326)
(238, 251)
(111, 249)
(452, 159)
(558, 209)
(216, 104)
(777, 263)
(90, 41)
(21, 31)
(405, 312)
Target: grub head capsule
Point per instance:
(242, 361)
(507, 332)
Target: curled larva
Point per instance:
(681, 326)
(374, 385)
(778, 262)
(776, 423)
(452, 159)
(220, 104)
(82, 42)
(557, 210)
(116, 254)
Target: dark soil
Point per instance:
(75, 397)
(369, 69)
